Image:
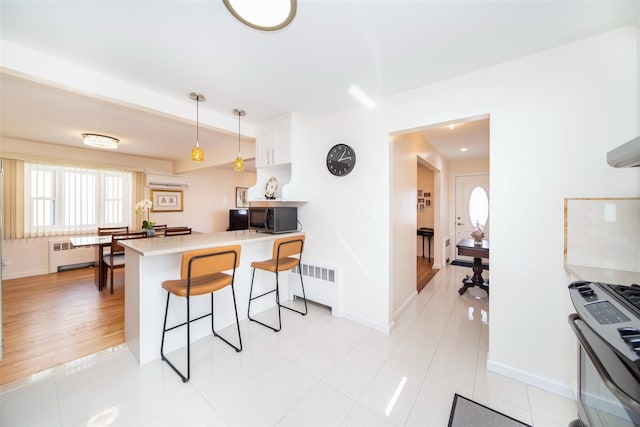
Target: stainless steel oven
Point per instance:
(607, 326)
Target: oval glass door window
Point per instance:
(478, 206)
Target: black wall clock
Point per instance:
(341, 159)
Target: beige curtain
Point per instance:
(137, 192)
(12, 199)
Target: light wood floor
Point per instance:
(425, 272)
(55, 318)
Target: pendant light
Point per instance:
(197, 155)
(238, 163)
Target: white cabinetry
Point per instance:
(273, 142)
(281, 147)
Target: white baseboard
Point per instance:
(21, 274)
(385, 329)
(404, 305)
(543, 383)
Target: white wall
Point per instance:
(210, 195)
(554, 115)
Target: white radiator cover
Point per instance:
(63, 254)
(320, 283)
(446, 251)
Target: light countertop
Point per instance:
(179, 244)
(604, 275)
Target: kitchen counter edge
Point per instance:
(180, 244)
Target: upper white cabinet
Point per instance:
(281, 147)
(273, 141)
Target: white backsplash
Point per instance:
(603, 233)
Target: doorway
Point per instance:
(425, 221)
(471, 207)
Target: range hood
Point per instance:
(625, 156)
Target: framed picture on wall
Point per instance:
(166, 201)
(428, 203)
(241, 197)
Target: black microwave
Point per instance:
(273, 219)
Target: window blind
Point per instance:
(71, 200)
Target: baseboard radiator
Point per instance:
(64, 256)
(319, 283)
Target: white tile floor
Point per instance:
(319, 370)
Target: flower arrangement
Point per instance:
(144, 206)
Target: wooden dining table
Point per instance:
(477, 250)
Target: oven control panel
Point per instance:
(599, 307)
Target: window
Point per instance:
(478, 206)
(67, 200)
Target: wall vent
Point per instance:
(64, 256)
(319, 283)
(320, 273)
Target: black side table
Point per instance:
(428, 233)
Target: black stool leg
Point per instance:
(165, 329)
(304, 296)
(251, 298)
(237, 349)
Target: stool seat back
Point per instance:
(204, 262)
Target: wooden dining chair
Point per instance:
(160, 229)
(202, 272)
(108, 231)
(177, 231)
(105, 231)
(115, 258)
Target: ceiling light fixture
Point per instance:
(238, 163)
(263, 15)
(463, 149)
(197, 155)
(100, 141)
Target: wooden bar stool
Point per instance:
(201, 273)
(287, 253)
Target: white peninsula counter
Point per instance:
(151, 261)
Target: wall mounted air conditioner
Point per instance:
(167, 182)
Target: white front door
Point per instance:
(472, 206)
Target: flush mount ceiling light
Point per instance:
(100, 141)
(263, 15)
(197, 155)
(238, 163)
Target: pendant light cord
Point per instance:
(197, 120)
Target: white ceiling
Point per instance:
(177, 47)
